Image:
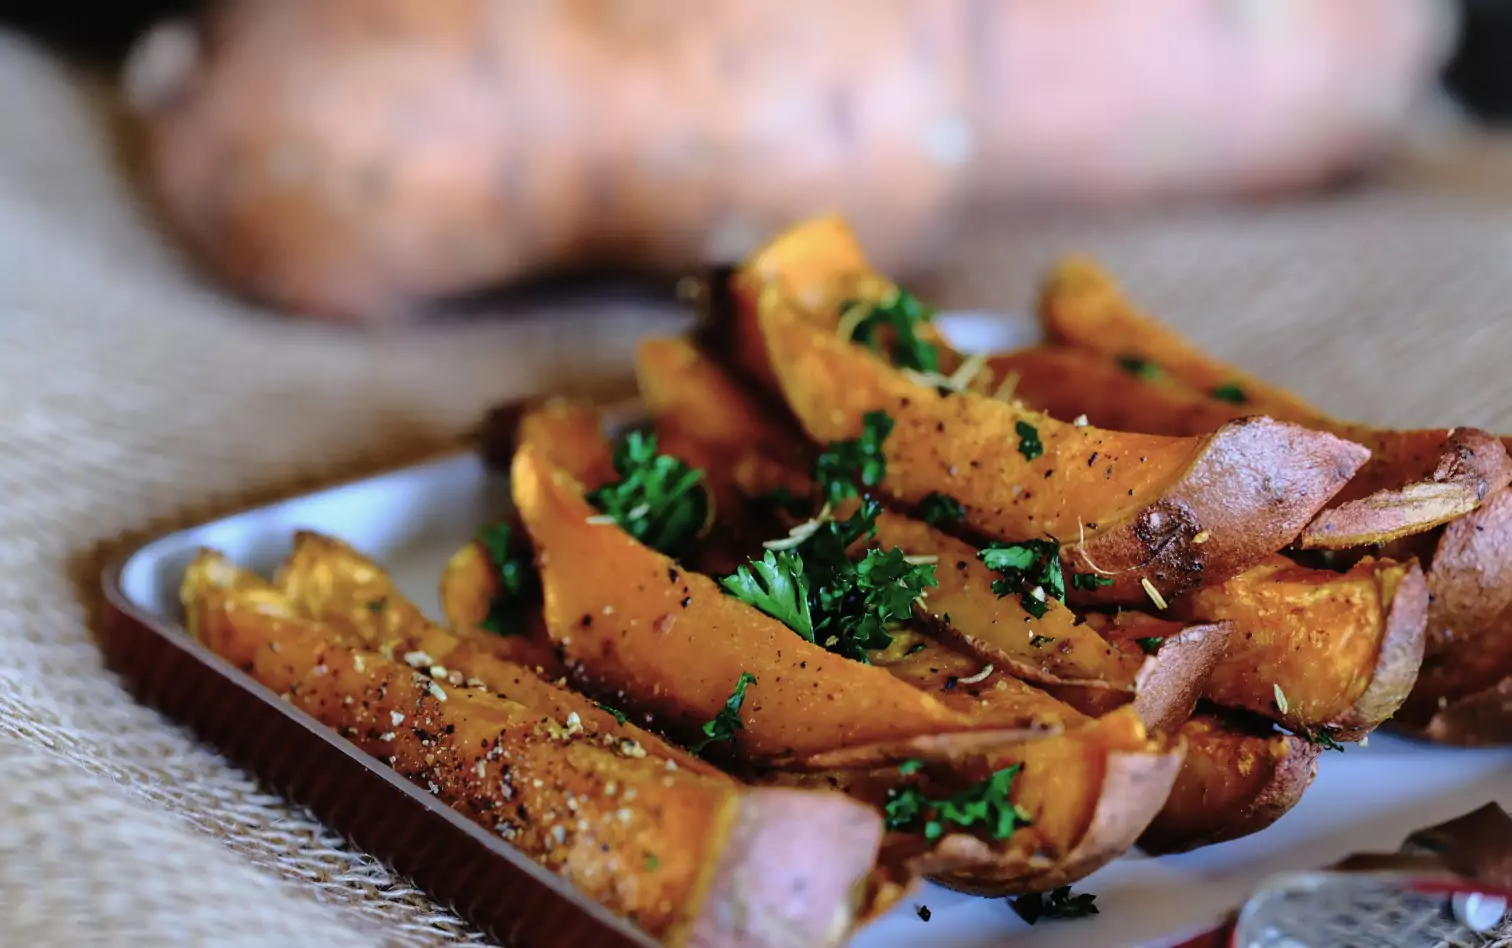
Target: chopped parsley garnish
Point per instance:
(727, 721)
(924, 913)
(1324, 737)
(818, 591)
(984, 804)
(376, 606)
(938, 508)
(1040, 641)
(902, 313)
(518, 582)
(618, 715)
(1230, 393)
(845, 463)
(1057, 903)
(775, 584)
(916, 648)
(1031, 569)
(1150, 644)
(1030, 445)
(1089, 581)
(653, 862)
(658, 499)
(1139, 368)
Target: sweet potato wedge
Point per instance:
(1413, 482)
(1315, 649)
(1235, 780)
(1137, 509)
(637, 629)
(1066, 383)
(694, 859)
(1088, 794)
(1081, 306)
(1057, 648)
(327, 581)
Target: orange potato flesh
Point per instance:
(1172, 511)
(1342, 649)
(328, 581)
(637, 628)
(1234, 781)
(1066, 383)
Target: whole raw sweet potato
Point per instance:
(354, 157)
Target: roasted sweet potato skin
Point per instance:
(1235, 780)
(519, 773)
(1175, 512)
(1468, 651)
(1316, 649)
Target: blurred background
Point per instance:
(246, 247)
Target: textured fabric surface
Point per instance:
(133, 397)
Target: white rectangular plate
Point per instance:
(1366, 799)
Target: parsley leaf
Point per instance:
(1150, 644)
(1324, 737)
(776, 585)
(1057, 903)
(727, 721)
(938, 508)
(1089, 581)
(518, 581)
(1139, 368)
(818, 591)
(984, 804)
(658, 499)
(1025, 567)
(618, 715)
(844, 463)
(1030, 445)
(924, 913)
(1230, 393)
(862, 598)
(1040, 641)
(901, 312)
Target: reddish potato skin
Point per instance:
(354, 159)
(1234, 781)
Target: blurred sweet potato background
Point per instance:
(357, 159)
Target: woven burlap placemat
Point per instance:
(134, 396)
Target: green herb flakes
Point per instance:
(984, 805)
(1139, 368)
(846, 464)
(1030, 445)
(938, 509)
(724, 724)
(1030, 569)
(1230, 393)
(658, 499)
(519, 584)
(902, 313)
(1057, 903)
